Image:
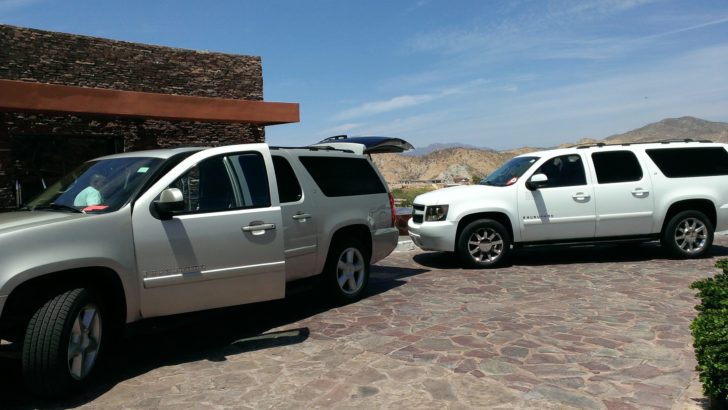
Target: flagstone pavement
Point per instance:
(603, 327)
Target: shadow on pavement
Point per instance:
(209, 335)
(564, 255)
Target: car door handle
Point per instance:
(301, 216)
(258, 228)
(580, 196)
(640, 192)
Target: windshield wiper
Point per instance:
(59, 207)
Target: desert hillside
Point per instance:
(449, 164)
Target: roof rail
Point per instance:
(315, 148)
(665, 141)
(594, 144)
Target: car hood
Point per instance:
(16, 221)
(459, 194)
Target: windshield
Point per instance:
(97, 186)
(509, 172)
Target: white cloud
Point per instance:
(377, 107)
(612, 101)
(690, 28)
(406, 101)
(617, 102)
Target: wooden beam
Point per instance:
(23, 96)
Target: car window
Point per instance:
(289, 190)
(252, 179)
(508, 173)
(340, 176)
(690, 162)
(207, 187)
(98, 186)
(225, 182)
(564, 170)
(616, 166)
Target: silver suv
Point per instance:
(153, 233)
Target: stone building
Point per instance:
(67, 98)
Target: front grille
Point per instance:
(418, 213)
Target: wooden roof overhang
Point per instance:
(24, 96)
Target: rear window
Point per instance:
(690, 162)
(337, 176)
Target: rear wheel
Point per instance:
(484, 243)
(62, 343)
(689, 234)
(347, 270)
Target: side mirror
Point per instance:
(170, 201)
(537, 181)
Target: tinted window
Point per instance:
(207, 187)
(690, 162)
(565, 170)
(253, 179)
(223, 183)
(337, 176)
(616, 166)
(289, 190)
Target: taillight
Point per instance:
(394, 210)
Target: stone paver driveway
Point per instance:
(591, 327)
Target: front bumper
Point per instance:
(434, 236)
(383, 243)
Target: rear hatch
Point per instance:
(366, 145)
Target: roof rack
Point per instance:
(316, 148)
(665, 141)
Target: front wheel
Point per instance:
(689, 234)
(347, 270)
(484, 243)
(62, 344)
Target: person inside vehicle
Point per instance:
(91, 194)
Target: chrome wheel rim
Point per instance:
(691, 234)
(485, 245)
(84, 342)
(350, 271)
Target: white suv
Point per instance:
(674, 191)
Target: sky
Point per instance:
(489, 73)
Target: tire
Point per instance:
(62, 344)
(346, 273)
(483, 243)
(689, 234)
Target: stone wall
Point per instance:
(58, 58)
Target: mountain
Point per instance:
(675, 128)
(447, 164)
(418, 152)
(455, 160)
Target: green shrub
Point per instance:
(409, 194)
(710, 333)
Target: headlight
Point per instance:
(436, 213)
